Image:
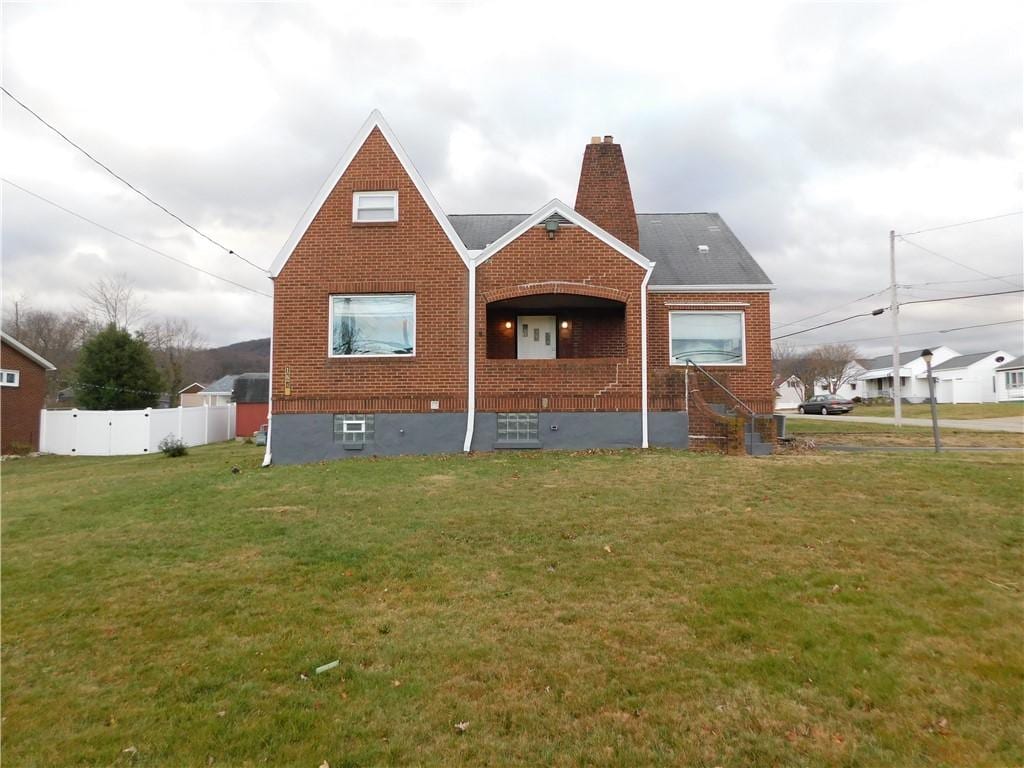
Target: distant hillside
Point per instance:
(210, 364)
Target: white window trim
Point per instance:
(3, 378)
(357, 196)
(743, 338)
(330, 326)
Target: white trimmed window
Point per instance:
(370, 207)
(373, 325)
(1014, 379)
(707, 338)
(9, 378)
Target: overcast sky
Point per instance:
(812, 129)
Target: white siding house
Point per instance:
(1010, 381)
(967, 378)
(877, 376)
(789, 393)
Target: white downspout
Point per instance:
(268, 456)
(643, 353)
(471, 360)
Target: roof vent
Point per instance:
(609, 139)
(703, 249)
(714, 228)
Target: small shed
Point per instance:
(22, 395)
(251, 395)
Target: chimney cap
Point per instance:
(609, 139)
(595, 139)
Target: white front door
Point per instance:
(535, 337)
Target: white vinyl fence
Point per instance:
(125, 433)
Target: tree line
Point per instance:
(109, 350)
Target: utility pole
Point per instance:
(894, 309)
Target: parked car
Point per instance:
(825, 404)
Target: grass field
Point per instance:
(839, 431)
(606, 609)
(947, 410)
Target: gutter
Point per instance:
(471, 360)
(643, 355)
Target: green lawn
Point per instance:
(599, 609)
(946, 410)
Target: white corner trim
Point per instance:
(375, 120)
(35, 358)
(557, 206)
(467, 444)
(643, 356)
(716, 288)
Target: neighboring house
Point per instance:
(251, 394)
(22, 395)
(217, 393)
(1010, 381)
(851, 387)
(400, 329)
(967, 378)
(789, 393)
(877, 378)
(192, 395)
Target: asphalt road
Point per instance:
(1005, 424)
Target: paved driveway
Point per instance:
(1005, 424)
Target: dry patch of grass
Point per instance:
(620, 608)
(947, 410)
(839, 432)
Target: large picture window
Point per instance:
(707, 338)
(373, 325)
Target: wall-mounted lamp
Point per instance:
(565, 324)
(508, 323)
(551, 226)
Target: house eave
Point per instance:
(36, 358)
(713, 288)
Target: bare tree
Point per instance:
(173, 342)
(57, 336)
(112, 300)
(834, 365)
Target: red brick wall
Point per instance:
(604, 195)
(337, 256)
(20, 406)
(573, 262)
(752, 383)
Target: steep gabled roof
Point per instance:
(39, 360)
(375, 120)
(558, 208)
(672, 240)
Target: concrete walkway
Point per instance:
(1005, 424)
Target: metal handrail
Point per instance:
(722, 387)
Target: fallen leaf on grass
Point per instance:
(396, 683)
(460, 728)
(325, 764)
(607, 549)
(835, 589)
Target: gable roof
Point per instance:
(557, 208)
(963, 360)
(670, 240)
(375, 120)
(38, 359)
(221, 386)
(1012, 365)
(885, 361)
(185, 390)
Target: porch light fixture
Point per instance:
(551, 226)
(508, 323)
(565, 324)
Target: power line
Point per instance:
(125, 181)
(958, 282)
(957, 298)
(954, 261)
(825, 312)
(132, 240)
(825, 325)
(914, 333)
(961, 223)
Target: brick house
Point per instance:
(400, 329)
(22, 395)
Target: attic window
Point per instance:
(372, 207)
(10, 378)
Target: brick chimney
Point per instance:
(604, 196)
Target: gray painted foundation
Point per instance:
(304, 438)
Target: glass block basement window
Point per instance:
(518, 427)
(353, 428)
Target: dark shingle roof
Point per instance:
(672, 240)
(963, 361)
(222, 385)
(251, 388)
(885, 361)
(1012, 365)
